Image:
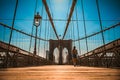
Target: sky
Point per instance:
(59, 9)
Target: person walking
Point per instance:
(74, 56)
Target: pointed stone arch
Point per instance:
(56, 53)
(65, 55)
(60, 44)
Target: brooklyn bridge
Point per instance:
(37, 38)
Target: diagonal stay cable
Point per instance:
(33, 25)
(50, 18)
(69, 18)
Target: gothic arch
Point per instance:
(61, 44)
(65, 55)
(56, 53)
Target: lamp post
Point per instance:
(37, 20)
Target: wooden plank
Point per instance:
(62, 72)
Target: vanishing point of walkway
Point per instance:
(62, 72)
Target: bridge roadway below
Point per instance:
(59, 72)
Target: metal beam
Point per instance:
(50, 18)
(69, 18)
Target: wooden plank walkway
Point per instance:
(62, 72)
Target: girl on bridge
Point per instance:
(74, 56)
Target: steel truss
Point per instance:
(100, 58)
(19, 57)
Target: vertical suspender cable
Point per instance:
(14, 40)
(13, 22)
(51, 35)
(22, 41)
(11, 32)
(4, 34)
(101, 26)
(33, 26)
(46, 36)
(73, 33)
(99, 16)
(49, 30)
(45, 32)
(16, 37)
(78, 31)
(40, 32)
(114, 33)
(68, 16)
(69, 33)
(84, 24)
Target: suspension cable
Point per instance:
(11, 33)
(84, 24)
(40, 31)
(17, 37)
(4, 34)
(20, 31)
(78, 31)
(36, 1)
(47, 34)
(116, 25)
(69, 33)
(22, 41)
(59, 20)
(101, 26)
(51, 8)
(67, 12)
(69, 18)
(46, 23)
(114, 33)
(50, 18)
(73, 33)
(50, 32)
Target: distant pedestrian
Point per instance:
(74, 55)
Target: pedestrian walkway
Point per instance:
(59, 72)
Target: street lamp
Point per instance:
(37, 20)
